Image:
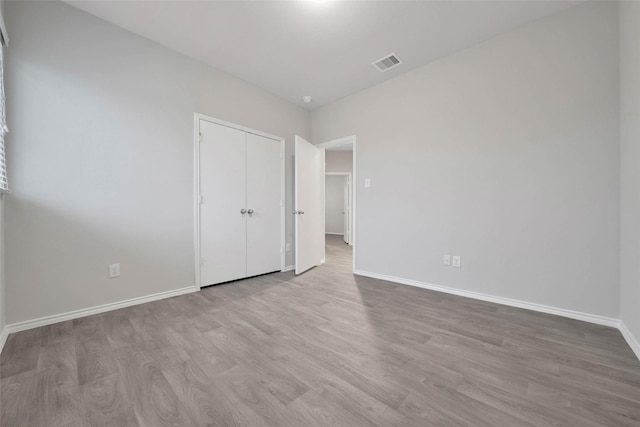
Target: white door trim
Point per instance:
(354, 188)
(196, 196)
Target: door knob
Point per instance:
(301, 212)
(250, 211)
(243, 211)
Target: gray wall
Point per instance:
(506, 154)
(630, 165)
(101, 158)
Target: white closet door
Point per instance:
(223, 245)
(263, 205)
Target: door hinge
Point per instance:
(201, 199)
(200, 137)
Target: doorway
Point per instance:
(337, 204)
(340, 164)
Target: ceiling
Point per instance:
(323, 49)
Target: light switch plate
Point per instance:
(114, 270)
(446, 260)
(456, 261)
(367, 182)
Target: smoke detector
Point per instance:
(386, 63)
(307, 99)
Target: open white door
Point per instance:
(309, 186)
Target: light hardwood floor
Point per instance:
(322, 349)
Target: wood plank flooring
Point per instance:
(322, 349)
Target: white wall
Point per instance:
(506, 154)
(334, 204)
(338, 161)
(101, 158)
(630, 167)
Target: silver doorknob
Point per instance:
(295, 212)
(301, 212)
(243, 211)
(250, 211)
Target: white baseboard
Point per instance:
(591, 318)
(334, 234)
(49, 320)
(3, 337)
(600, 320)
(631, 340)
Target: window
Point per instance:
(4, 41)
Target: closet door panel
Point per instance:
(223, 183)
(263, 197)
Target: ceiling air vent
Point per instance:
(387, 62)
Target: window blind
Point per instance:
(4, 183)
(4, 41)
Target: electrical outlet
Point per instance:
(457, 260)
(446, 260)
(114, 270)
(287, 247)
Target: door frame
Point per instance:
(354, 188)
(350, 198)
(197, 117)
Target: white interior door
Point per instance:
(345, 210)
(309, 194)
(223, 245)
(263, 204)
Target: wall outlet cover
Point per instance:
(457, 260)
(446, 260)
